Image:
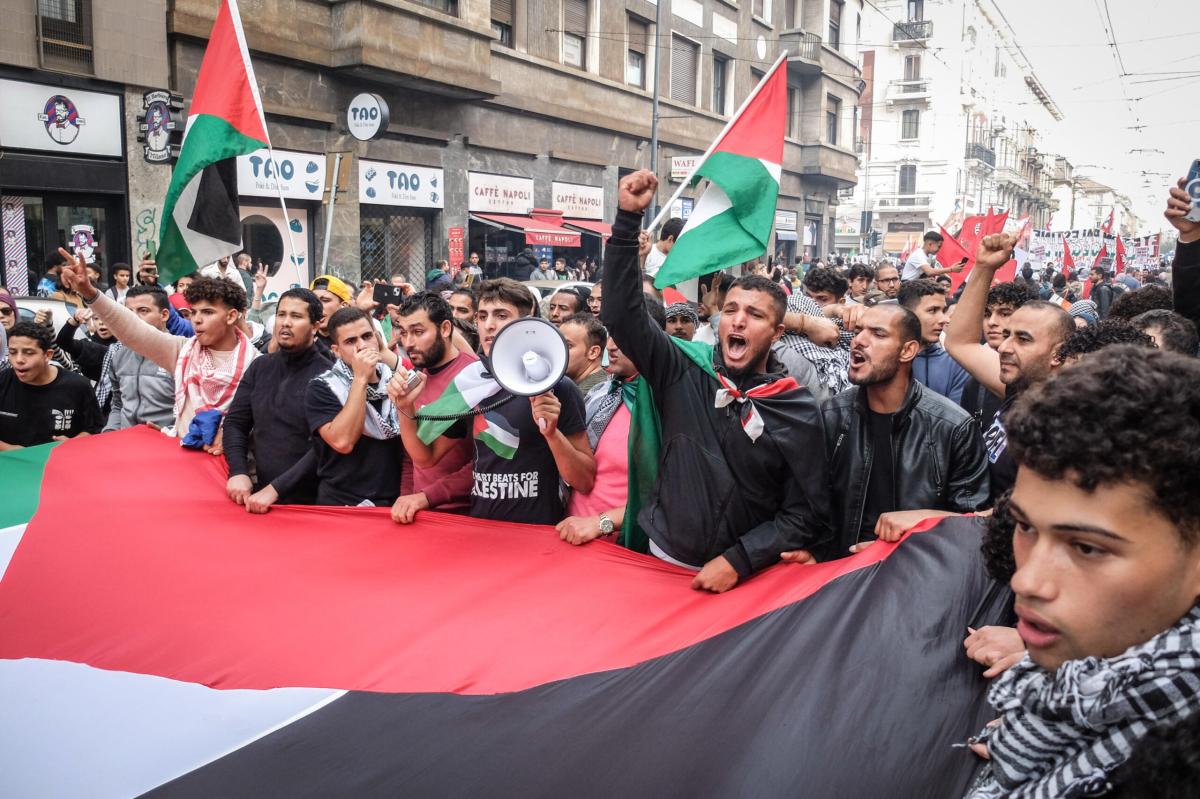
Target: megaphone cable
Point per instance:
(454, 417)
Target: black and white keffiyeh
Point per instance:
(1061, 735)
(382, 424)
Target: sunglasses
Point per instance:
(6, 311)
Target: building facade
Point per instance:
(510, 121)
(952, 123)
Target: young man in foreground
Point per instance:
(1107, 549)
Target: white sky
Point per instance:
(1065, 40)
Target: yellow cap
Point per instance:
(334, 286)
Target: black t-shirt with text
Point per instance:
(516, 478)
(31, 415)
(1002, 469)
(371, 471)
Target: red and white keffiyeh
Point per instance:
(207, 382)
(752, 421)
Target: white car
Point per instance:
(60, 312)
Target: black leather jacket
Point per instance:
(941, 463)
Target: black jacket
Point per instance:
(718, 492)
(1185, 280)
(268, 409)
(940, 460)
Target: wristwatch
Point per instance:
(606, 525)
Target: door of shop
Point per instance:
(50, 220)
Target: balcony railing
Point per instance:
(914, 31)
(904, 202)
(981, 152)
(801, 44)
(915, 86)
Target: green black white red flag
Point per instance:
(732, 221)
(200, 221)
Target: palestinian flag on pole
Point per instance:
(174, 645)
(200, 221)
(733, 219)
(469, 389)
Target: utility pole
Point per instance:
(654, 112)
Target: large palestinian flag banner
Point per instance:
(155, 639)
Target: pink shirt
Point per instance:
(612, 470)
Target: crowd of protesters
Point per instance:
(776, 417)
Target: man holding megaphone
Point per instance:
(523, 446)
(742, 466)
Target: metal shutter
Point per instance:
(502, 11)
(639, 34)
(575, 16)
(684, 60)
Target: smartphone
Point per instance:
(1193, 190)
(385, 294)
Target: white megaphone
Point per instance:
(528, 357)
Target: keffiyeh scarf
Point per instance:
(207, 383)
(1062, 734)
(379, 424)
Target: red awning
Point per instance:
(595, 227)
(538, 232)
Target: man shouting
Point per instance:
(742, 476)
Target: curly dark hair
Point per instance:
(1177, 332)
(1013, 294)
(1165, 764)
(1103, 334)
(1116, 440)
(1138, 301)
(824, 278)
(42, 335)
(216, 290)
(997, 548)
(861, 270)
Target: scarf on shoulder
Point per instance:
(382, 424)
(208, 384)
(1062, 734)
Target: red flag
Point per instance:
(908, 248)
(1120, 255)
(1006, 273)
(1108, 225)
(1068, 261)
(994, 223)
(1100, 256)
(951, 253)
(972, 232)
(1087, 289)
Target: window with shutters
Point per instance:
(445, 6)
(637, 31)
(833, 118)
(502, 21)
(65, 35)
(685, 65)
(910, 125)
(835, 24)
(720, 81)
(575, 31)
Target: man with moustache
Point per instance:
(266, 419)
(731, 495)
(426, 332)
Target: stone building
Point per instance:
(496, 108)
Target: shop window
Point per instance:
(394, 241)
(638, 32)
(503, 15)
(260, 238)
(575, 32)
(65, 35)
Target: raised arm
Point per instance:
(962, 336)
(623, 311)
(1185, 270)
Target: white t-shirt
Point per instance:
(654, 261)
(912, 267)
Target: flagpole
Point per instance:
(287, 222)
(666, 208)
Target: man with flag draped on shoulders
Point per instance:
(741, 476)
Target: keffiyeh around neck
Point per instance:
(379, 424)
(1061, 734)
(209, 382)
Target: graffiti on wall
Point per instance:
(145, 238)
